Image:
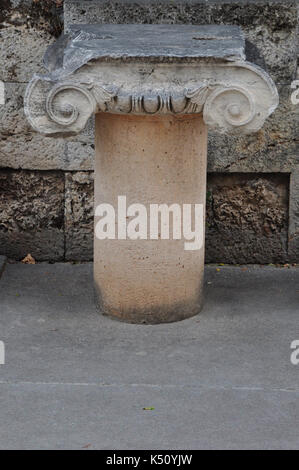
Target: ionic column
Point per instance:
(155, 89)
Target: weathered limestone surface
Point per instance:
(274, 148)
(31, 203)
(22, 50)
(239, 208)
(251, 210)
(270, 27)
(20, 146)
(271, 32)
(247, 218)
(79, 212)
(26, 30)
(32, 218)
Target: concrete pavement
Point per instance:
(74, 379)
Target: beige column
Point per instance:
(150, 160)
(153, 89)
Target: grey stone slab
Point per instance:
(270, 26)
(152, 41)
(74, 416)
(147, 42)
(53, 332)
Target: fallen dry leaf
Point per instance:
(28, 259)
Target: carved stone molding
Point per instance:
(233, 95)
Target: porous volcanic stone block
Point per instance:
(240, 205)
(32, 214)
(26, 29)
(22, 50)
(135, 12)
(247, 218)
(79, 189)
(270, 28)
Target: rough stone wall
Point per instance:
(247, 217)
(46, 185)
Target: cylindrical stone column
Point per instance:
(149, 160)
(154, 89)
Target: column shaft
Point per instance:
(150, 160)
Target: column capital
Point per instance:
(150, 70)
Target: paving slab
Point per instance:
(185, 417)
(223, 379)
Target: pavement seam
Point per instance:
(202, 387)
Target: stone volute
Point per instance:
(155, 89)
